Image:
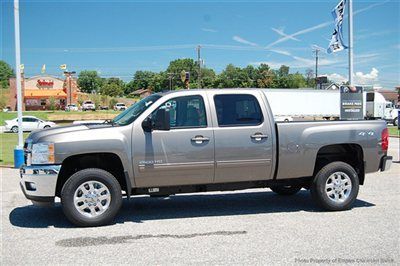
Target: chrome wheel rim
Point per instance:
(92, 198)
(338, 187)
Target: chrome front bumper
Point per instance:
(38, 183)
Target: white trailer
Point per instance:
(319, 103)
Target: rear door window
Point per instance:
(237, 110)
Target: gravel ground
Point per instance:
(246, 227)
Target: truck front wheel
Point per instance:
(335, 186)
(91, 197)
(286, 190)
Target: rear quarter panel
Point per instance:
(299, 143)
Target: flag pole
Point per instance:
(350, 3)
(18, 72)
(18, 151)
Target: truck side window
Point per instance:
(237, 110)
(186, 112)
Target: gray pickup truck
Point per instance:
(198, 141)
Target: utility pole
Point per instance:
(199, 62)
(316, 51)
(170, 77)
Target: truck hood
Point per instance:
(35, 136)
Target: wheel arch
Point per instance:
(350, 153)
(109, 162)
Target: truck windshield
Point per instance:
(133, 112)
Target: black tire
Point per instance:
(318, 186)
(14, 129)
(286, 190)
(395, 122)
(77, 179)
(46, 127)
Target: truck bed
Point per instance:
(300, 142)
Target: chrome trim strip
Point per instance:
(175, 166)
(237, 163)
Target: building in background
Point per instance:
(142, 93)
(44, 92)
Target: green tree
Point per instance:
(175, 67)
(6, 72)
(89, 81)
(116, 81)
(112, 102)
(297, 80)
(141, 80)
(310, 78)
(52, 103)
(208, 77)
(266, 77)
(112, 89)
(233, 77)
(282, 77)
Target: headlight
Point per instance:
(42, 153)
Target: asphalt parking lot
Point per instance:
(245, 227)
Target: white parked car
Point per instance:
(71, 107)
(119, 107)
(283, 118)
(29, 123)
(88, 105)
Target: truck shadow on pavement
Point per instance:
(141, 209)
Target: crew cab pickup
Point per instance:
(197, 141)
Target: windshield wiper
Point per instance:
(109, 121)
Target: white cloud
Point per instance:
(336, 78)
(209, 30)
(367, 78)
(296, 63)
(244, 41)
(360, 78)
(319, 26)
(281, 33)
(283, 52)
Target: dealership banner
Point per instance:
(351, 103)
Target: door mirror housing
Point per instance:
(159, 121)
(147, 125)
(162, 120)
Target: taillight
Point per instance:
(385, 139)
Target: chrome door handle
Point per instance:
(259, 136)
(199, 139)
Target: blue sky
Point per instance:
(116, 38)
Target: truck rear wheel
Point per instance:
(335, 186)
(91, 197)
(286, 190)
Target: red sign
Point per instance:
(45, 83)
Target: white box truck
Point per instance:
(319, 103)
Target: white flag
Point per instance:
(337, 43)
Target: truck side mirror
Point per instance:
(162, 120)
(147, 125)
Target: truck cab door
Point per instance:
(244, 144)
(182, 155)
